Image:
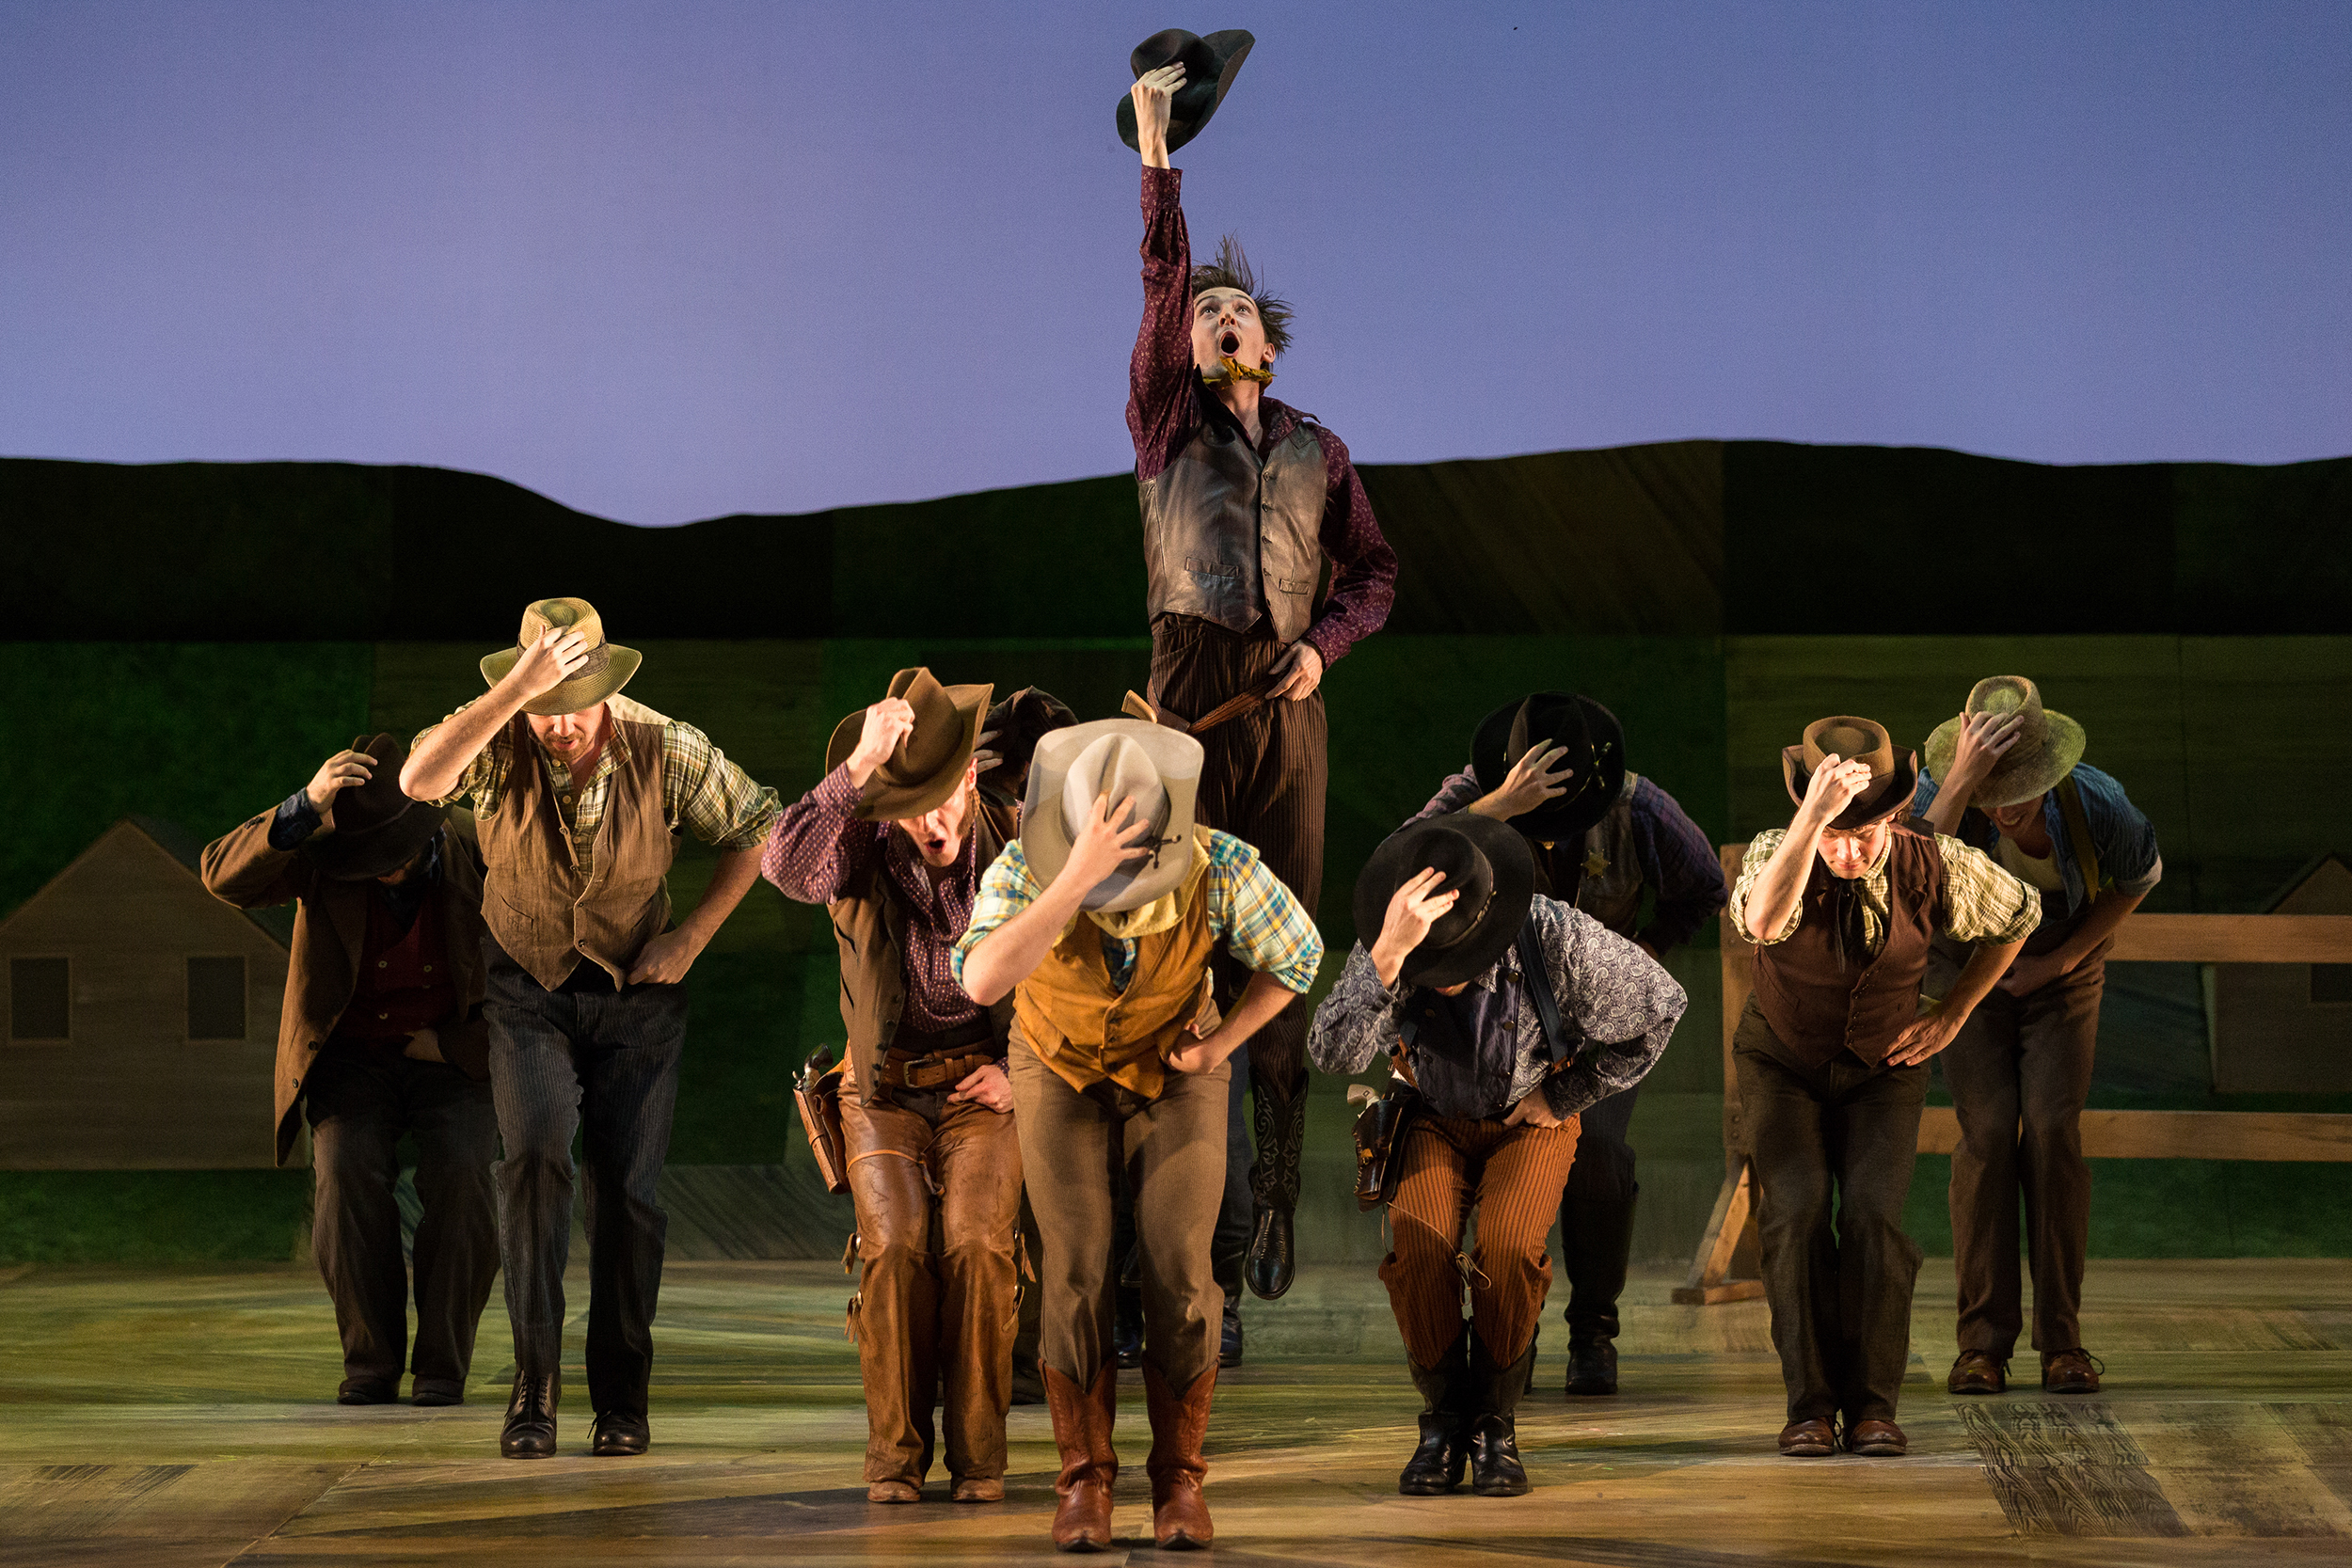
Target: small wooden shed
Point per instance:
(2286, 1028)
(141, 1014)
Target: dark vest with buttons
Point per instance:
(1229, 537)
(870, 924)
(1818, 1007)
(405, 983)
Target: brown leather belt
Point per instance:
(930, 1072)
(1137, 706)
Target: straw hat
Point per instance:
(2047, 747)
(608, 669)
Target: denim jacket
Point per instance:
(2124, 839)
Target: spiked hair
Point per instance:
(1230, 269)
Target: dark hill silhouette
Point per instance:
(1696, 538)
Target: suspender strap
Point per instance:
(1561, 1038)
(2078, 834)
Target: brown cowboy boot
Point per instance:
(1180, 1515)
(1082, 1430)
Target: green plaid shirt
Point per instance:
(702, 792)
(1262, 925)
(1981, 902)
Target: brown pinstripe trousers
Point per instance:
(1514, 1174)
(1262, 780)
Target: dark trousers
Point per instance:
(602, 1063)
(1834, 1148)
(2020, 1072)
(1262, 780)
(1596, 1218)
(359, 1102)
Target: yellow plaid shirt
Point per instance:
(702, 792)
(1981, 902)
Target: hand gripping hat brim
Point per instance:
(1487, 861)
(1211, 64)
(1074, 768)
(931, 758)
(378, 828)
(609, 667)
(1893, 769)
(1596, 750)
(2047, 747)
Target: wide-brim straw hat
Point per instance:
(1122, 758)
(929, 764)
(1487, 861)
(1893, 769)
(378, 829)
(1590, 735)
(609, 667)
(2047, 747)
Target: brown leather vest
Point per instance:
(538, 906)
(1229, 538)
(1818, 1007)
(869, 926)
(1086, 1032)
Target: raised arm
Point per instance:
(1161, 408)
(443, 753)
(1773, 899)
(253, 866)
(1983, 738)
(1004, 956)
(819, 846)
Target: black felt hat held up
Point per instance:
(1210, 63)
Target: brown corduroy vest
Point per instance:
(1818, 1007)
(536, 902)
(1086, 1032)
(869, 925)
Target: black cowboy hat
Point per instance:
(1893, 769)
(1013, 727)
(378, 828)
(1595, 748)
(1210, 66)
(1489, 863)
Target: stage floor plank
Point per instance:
(183, 1416)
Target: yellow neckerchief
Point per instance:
(1233, 369)
(1162, 913)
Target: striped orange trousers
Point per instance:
(1513, 1176)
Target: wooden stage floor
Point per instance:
(162, 1418)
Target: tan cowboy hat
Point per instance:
(929, 761)
(1157, 768)
(608, 669)
(1893, 769)
(2047, 747)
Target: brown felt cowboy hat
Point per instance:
(1893, 769)
(1210, 66)
(2047, 747)
(608, 669)
(378, 828)
(1587, 732)
(929, 761)
(1122, 759)
(1488, 862)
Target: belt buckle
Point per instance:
(906, 1071)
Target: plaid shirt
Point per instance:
(1262, 925)
(702, 792)
(1981, 902)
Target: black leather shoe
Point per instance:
(1228, 1336)
(1495, 1470)
(433, 1392)
(529, 1430)
(1593, 1366)
(366, 1390)
(1272, 1265)
(619, 1434)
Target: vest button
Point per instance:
(428, 969)
(382, 964)
(383, 1015)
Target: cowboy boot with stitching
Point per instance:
(1494, 1448)
(1082, 1430)
(529, 1430)
(1180, 1515)
(1443, 1455)
(1278, 1123)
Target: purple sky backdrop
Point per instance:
(669, 261)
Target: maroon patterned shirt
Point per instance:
(1166, 404)
(819, 849)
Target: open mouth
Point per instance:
(1229, 344)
